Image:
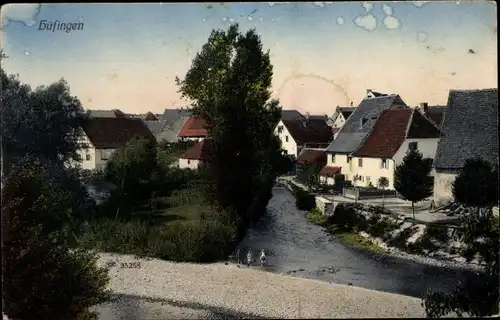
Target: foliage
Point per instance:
(43, 123)
(477, 184)
(412, 178)
(316, 216)
(480, 232)
(230, 84)
(310, 174)
(42, 277)
(131, 169)
(304, 200)
(383, 183)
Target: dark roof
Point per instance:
(377, 94)
(312, 130)
(111, 133)
(469, 129)
(114, 113)
(194, 127)
(345, 111)
(329, 171)
(351, 135)
(312, 156)
(435, 114)
(172, 115)
(291, 115)
(150, 116)
(200, 151)
(392, 128)
(323, 117)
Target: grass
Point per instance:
(359, 241)
(316, 216)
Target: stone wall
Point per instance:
(325, 206)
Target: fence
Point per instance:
(368, 194)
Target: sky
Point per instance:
(324, 54)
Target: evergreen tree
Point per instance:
(412, 178)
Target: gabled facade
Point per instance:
(469, 130)
(339, 118)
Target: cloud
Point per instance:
(367, 22)
(391, 22)
(340, 21)
(420, 3)
(387, 9)
(23, 13)
(368, 6)
(421, 36)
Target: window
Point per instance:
(384, 164)
(285, 152)
(87, 156)
(349, 159)
(189, 161)
(105, 155)
(280, 129)
(360, 162)
(333, 158)
(286, 138)
(413, 146)
(362, 122)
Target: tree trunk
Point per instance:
(413, 209)
(121, 198)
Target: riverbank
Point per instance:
(369, 229)
(249, 291)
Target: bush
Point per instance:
(202, 240)
(304, 200)
(42, 277)
(346, 218)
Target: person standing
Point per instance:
(249, 258)
(262, 258)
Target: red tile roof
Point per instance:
(329, 171)
(194, 127)
(390, 131)
(312, 156)
(112, 133)
(200, 151)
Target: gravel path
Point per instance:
(162, 289)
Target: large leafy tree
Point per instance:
(412, 178)
(229, 82)
(42, 123)
(476, 187)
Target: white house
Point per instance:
(103, 136)
(195, 156)
(294, 134)
(394, 133)
(354, 132)
(469, 130)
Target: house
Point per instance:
(355, 130)
(373, 94)
(169, 125)
(193, 129)
(394, 133)
(338, 119)
(287, 114)
(469, 130)
(296, 133)
(433, 113)
(195, 156)
(104, 135)
(312, 156)
(114, 113)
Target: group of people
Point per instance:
(250, 257)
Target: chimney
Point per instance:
(424, 107)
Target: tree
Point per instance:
(412, 178)
(383, 183)
(475, 187)
(310, 173)
(42, 277)
(131, 168)
(230, 84)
